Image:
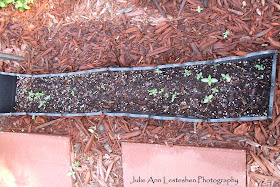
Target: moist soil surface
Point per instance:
(238, 89)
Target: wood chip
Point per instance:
(130, 134)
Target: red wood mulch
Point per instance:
(64, 36)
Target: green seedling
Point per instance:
(33, 117)
(207, 99)
(260, 77)
(209, 80)
(47, 97)
(19, 4)
(63, 92)
(73, 93)
(158, 71)
(24, 90)
(72, 173)
(186, 92)
(42, 103)
(102, 86)
(226, 77)
(199, 76)
(38, 95)
(91, 130)
(187, 73)
(199, 9)
(161, 91)
(76, 164)
(226, 34)
(177, 59)
(259, 67)
(31, 94)
(243, 69)
(215, 90)
(4, 3)
(174, 95)
(166, 95)
(264, 45)
(96, 136)
(153, 92)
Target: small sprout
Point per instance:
(186, 92)
(63, 92)
(187, 73)
(72, 173)
(226, 77)
(199, 9)
(209, 80)
(31, 94)
(161, 91)
(22, 130)
(102, 86)
(216, 65)
(33, 117)
(76, 164)
(15, 108)
(226, 34)
(38, 95)
(215, 90)
(25, 90)
(199, 76)
(47, 97)
(243, 69)
(174, 96)
(259, 67)
(166, 95)
(96, 136)
(207, 99)
(153, 92)
(260, 77)
(42, 103)
(264, 45)
(177, 59)
(158, 71)
(73, 93)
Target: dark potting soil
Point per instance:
(235, 89)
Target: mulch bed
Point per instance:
(65, 36)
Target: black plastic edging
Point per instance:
(162, 117)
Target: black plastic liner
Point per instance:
(7, 93)
(8, 90)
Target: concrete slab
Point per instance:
(34, 160)
(160, 165)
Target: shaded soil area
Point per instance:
(240, 88)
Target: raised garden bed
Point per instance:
(234, 88)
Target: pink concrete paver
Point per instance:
(160, 165)
(34, 160)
